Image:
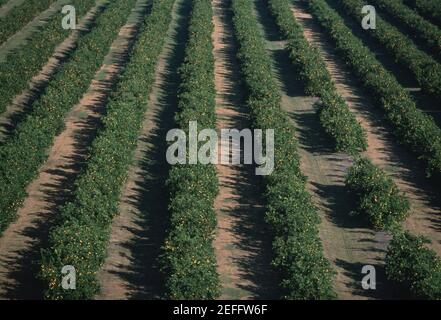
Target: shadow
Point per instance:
(270, 30)
(63, 174)
(308, 130)
(22, 105)
(339, 204)
(383, 288)
(430, 105)
(275, 41)
(398, 161)
(43, 18)
(307, 109)
(149, 198)
(13, 23)
(411, 34)
(286, 73)
(327, 186)
(248, 241)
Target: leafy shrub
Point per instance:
(377, 195)
(81, 235)
(419, 27)
(426, 70)
(413, 266)
(21, 65)
(335, 116)
(306, 274)
(20, 15)
(188, 259)
(23, 153)
(412, 127)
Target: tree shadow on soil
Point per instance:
(144, 277)
(22, 105)
(383, 288)
(27, 262)
(248, 218)
(428, 104)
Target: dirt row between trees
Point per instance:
(383, 149)
(21, 242)
(22, 103)
(131, 270)
(242, 243)
(405, 77)
(347, 244)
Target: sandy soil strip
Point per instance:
(383, 149)
(131, 270)
(347, 245)
(242, 244)
(405, 77)
(22, 103)
(20, 243)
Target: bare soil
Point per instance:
(22, 103)
(242, 243)
(131, 269)
(348, 245)
(383, 148)
(404, 76)
(21, 242)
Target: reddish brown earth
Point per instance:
(242, 244)
(21, 242)
(20, 104)
(429, 104)
(347, 244)
(131, 269)
(383, 149)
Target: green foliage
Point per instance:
(20, 15)
(24, 152)
(426, 70)
(418, 26)
(298, 251)
(21, 65)
(431, 10)
(413, 266)
(412, 127)
(335, 116)
(378, 198)
(81, 235)
(188, 256)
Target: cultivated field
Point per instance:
(349, 108)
